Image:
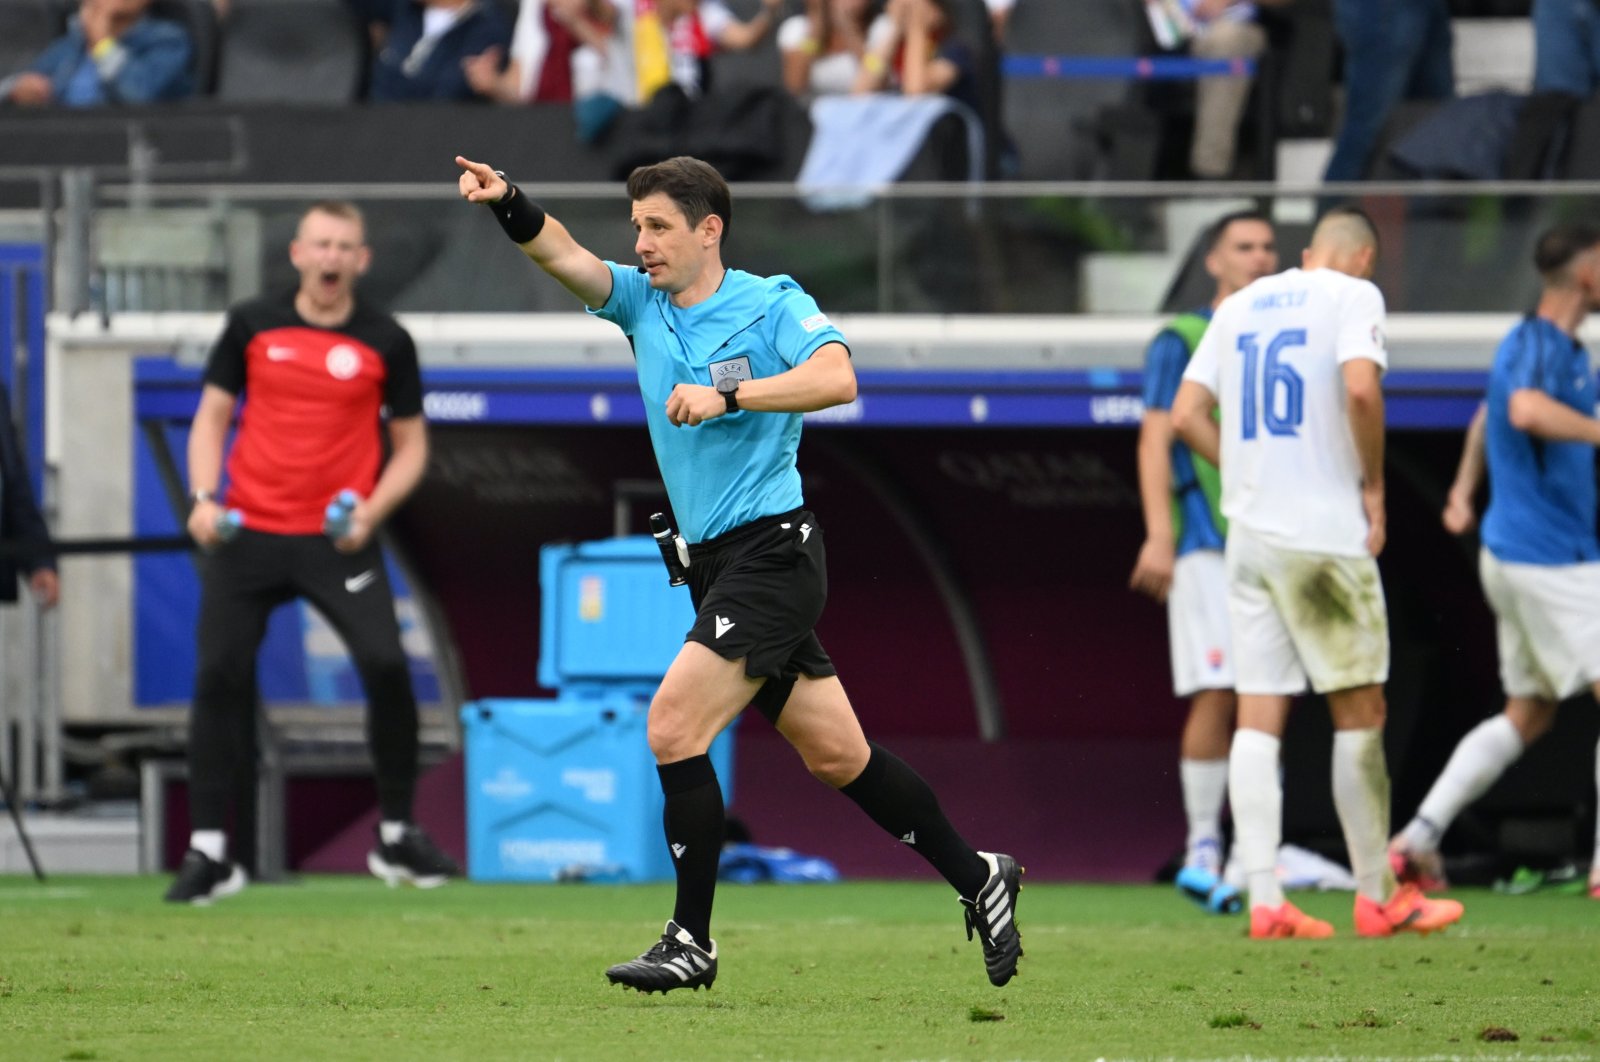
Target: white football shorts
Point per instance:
(1197, 624)
(1299, 616)
(1547, 625)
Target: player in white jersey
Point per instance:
(1295, 362)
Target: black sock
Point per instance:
(695, 824)
(896, 798)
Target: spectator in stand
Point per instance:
(1393, 50)
(1566, 47)
(823, 48)
(544, 61)
(921, 56)
(21, 521)
(112, 53)
(674, 40)
(999, 16)
(427, 47)
(1219, 29)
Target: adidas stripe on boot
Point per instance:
(992, 915)
(674, 961)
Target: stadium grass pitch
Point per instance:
(343, 968)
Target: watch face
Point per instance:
(727, 385)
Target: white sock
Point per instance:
(1256, 796)
(213, 844)
(1361, 797)
(1478, 761)
(390, 832)
(1205, 786)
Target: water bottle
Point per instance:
(672, 550)
(336, 521)
(229, 521)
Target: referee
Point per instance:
(318, 370)
(727, 363)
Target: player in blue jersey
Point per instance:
(727, 363)
(1540, 561)
(1181, 564)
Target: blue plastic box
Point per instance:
(608, 614)
(567, 789)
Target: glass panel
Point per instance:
(1011, 249)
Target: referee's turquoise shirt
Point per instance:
(741, 466)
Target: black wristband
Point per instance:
(521, 217)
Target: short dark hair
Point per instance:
(696, 187)
(1560, 244)
(1219, 228)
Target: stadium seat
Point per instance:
(291, 51)
(199, 17)
(1053, 120)
(1582, 149)
(26, 26)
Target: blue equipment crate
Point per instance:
(568, 788)
(608, 614)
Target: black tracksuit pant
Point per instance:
(242, 581)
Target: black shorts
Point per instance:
(758, 591)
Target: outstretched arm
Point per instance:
(550, 245)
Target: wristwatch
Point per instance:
(728, 388)
(198, 496)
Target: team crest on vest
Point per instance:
(344, 361)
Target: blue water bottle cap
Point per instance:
(229, 521)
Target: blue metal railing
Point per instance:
(1128, 67)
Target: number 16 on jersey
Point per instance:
(1272, 392)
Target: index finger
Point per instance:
(479, 170)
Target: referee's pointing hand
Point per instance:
(479, 183)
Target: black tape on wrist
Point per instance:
(521, 217)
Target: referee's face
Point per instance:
(673, 253)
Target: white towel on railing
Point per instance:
(861, 143)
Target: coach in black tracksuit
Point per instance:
(317, 370)
(20, 520)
